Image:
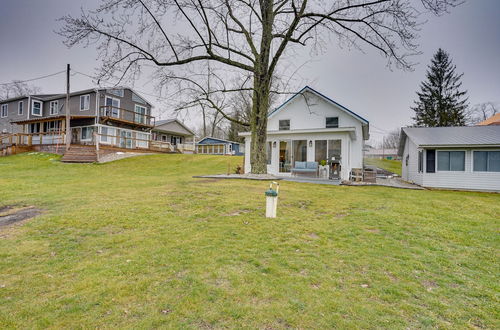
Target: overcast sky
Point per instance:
(361, 82)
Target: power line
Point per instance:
(33, 79)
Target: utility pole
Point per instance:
(66, 106)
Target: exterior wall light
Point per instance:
(310, 143)
(274, 144)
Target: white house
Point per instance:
(452, 157)
(312, 127)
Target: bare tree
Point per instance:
(391, 140)
(481, 112)
(243, 38)
(17, 88)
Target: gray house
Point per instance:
(176, 133)
(109, 118)
(452, 157)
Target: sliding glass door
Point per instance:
(285, 156)
(299, 151)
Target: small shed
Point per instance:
(214, 146)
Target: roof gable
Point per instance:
(209, 139)
(322, 96)
(172, 125)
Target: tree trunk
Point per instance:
(259, 127)
(262, 87)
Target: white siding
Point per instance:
(468, 179)
(410, 172)
(312, 115)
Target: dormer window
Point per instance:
(284, 125)
(332, 122)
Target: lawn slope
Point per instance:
(139, 243)
(390, 165)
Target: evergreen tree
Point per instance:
(441, 102)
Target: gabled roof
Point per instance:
(451, 136)
(326, 98)
(166, 121)
(217, 139)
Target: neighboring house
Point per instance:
(382, 153)
(493, 120)
(174, 132)
(215, 146)
(119, 117)
(452, 157)
(312, 127)
(111, 118)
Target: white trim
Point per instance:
(80, 103)
(56, 107)
(18, 112)
(6, 106)
(33, 108)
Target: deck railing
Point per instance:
(124, 115)
(118, 140)
(29, 139)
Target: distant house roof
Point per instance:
(167, 121)
(451, 136)
(380, 152)
(217, 139)
(493, 120)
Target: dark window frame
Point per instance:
(330, 125)
(284, 127)
(430, 161)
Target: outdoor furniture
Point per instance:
(357, 174)
(305, 168)
(370, 174)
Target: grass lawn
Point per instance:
(138, 243)
(393, 166)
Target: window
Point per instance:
(284, 125)
(335, 150)
(320, 150)
(34, 128)
(142, 140)
(107, 134)
(36, 108)
(4, 110)
(451, 160)
(52, 126)
(20, 108)
(486, 161)
(113, 107)
(430, 163)
(332, 122)
(140, 114)
(117, 92)
(84, 102)
(420, 161)
(269, 152)
(86, 133)
(54, 107)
